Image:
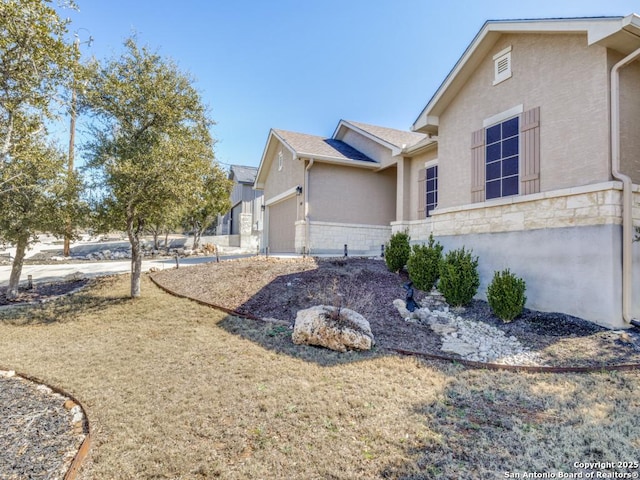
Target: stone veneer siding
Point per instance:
(599, 204)
(566, 244)
(330, 238)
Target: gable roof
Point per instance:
(395, 140)
(619, 33)
(313, 146)
(243, 174)
(303, 145)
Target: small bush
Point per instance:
(459, 279)
(424, 264)
(397, 250)
(506, 295)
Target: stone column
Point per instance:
(246, 240)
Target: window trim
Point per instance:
(500, 117)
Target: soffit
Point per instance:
(597, 30)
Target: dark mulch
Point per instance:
(41, 292)
(36, 435)
(277, 289)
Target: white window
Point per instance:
(502, 66)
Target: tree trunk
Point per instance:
(136, 268)
(16, 268)
(136, 257)
(197, 233)
(156, 240)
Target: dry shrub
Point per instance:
(344, 293)
(209, 248)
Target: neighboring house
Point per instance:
(242, 225)
(324, 193)
(529, 155)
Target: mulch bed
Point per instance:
(276, 289)
(42, 292)
(37, 438)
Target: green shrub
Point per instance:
(459, 279)
(397, 250)
(506, 295)
(424, 264)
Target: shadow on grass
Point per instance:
(277, 338)
(363, 285)
(63, 309)
(489, 423)
(276, 293)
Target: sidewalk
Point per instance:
(52, 273)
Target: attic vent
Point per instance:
(502, 65)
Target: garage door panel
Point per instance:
(282, 226)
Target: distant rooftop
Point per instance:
(244, 174)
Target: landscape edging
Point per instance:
(83, 450)
(431, 356)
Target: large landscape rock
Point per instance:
(315, 326)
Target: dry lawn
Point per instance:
(176, 390)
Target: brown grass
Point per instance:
(177, 390)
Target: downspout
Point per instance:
(627, 188)
(307, 228)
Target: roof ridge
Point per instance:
(395, 136)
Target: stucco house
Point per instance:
(538, 142)
(323, 193)
(241, 226)
(530, 155)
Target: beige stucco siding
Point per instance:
(414, 165)
(351, 195)
(282, 229)
(558, 73)
(279, 181)
(371, 149)
(630, 120)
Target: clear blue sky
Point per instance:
(303, 65)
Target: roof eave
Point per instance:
(624, 39)
(484, 41)
(395, 149)
(263, 168)
(421, 147)
(339, 161)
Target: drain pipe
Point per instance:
(307, 227)
(627, 189)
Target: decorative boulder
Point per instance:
(401, 305)
(417, 314)
(317, 326)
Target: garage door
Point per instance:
(282, 228)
